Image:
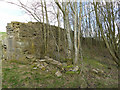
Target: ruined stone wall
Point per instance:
(28, 39)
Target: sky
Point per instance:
(9, 12)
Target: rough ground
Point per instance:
(20, 74)
(98, 72)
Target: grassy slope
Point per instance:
(2, 32)
(2, 35)
(19, 74)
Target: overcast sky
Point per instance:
(10, 13)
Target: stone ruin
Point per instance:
(26, 40)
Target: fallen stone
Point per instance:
(41, 66)
(55, 62)
(35, 63)
(50, 60)
(37, 60)
(42, 60)
(58, 73)
(59, 64)
(64, 64)
(95, 71)
(29, 56)
(35, 68)
(45, 64)
(76, 68)
(47, 57)
(38, 65)
(70, 69)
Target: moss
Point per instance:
(13, 77)
(72, 72)
(48, 76)
(94, 63)
(19, 62)
(69, 61)
(32, 48)
(69, 66)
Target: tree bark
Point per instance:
(75, 35)
(116, 60)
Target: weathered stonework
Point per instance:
(28, 39)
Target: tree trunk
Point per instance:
(75, 35)
(116, 60)
(68, 33)
(47, 30)
(44, 29)
(79, 34)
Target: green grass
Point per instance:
(3, 35)
(19, 74)
(94, 63)
(2, 32)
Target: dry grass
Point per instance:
(19, 74)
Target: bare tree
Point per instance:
(66, 22)
(75, 35)
(111, 42)
(79, 32)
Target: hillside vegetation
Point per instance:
(99, 71)
(85, 53)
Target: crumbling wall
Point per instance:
(28, 39)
